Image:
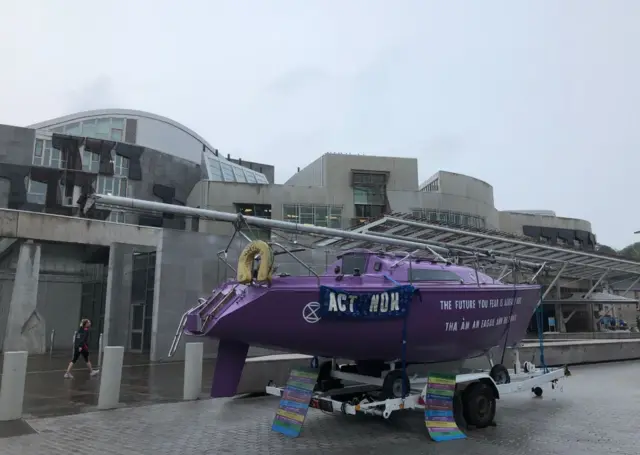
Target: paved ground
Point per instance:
(594, 413)
(48, 394)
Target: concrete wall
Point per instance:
(310, 175)
(59, 290)
(513, 222)
(186, 269)
(56, 228)
(16, 145)
(166, 170)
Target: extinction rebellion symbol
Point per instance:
(310, 312)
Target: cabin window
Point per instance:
(433, 275)
(353, 261)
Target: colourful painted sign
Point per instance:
(294, 403)
(438, 410)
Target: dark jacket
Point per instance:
(82, 339)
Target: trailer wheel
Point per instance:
(479, 405)
(537, 391)
(500, 374)
(392, 384)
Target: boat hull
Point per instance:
(443, 323)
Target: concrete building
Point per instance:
(134, 274)
(339, 190)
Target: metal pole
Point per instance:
(512, 241)
(277, 224)
(631, 286)
(593, 288)
(551, 285)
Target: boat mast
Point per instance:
(139, 204)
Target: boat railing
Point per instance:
(202, 322)
(182, 324)
(297, 259)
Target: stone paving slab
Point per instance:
(594, 413)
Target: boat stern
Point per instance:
(201, 319)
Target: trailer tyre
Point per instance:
(500, 374)
(479, 405)
(392, 384)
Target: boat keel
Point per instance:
(229, 364)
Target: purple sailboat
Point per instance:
(368, 307)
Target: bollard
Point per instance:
(192, 371)
(100, 347)
(51, 342)
(14, 374)
(110, 377)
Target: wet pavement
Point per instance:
(47, 393)
(593, 413)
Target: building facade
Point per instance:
(52, 166)
(341, 191)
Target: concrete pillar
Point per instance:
(110, 377)
(26, 329)
(118, 295)
(193, 370)
(14, 374)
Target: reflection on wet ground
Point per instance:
(47, 393)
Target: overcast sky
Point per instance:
(540, 98)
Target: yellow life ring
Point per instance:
(245, 262)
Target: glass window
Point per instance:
(90, 161)
(251, 176)
(306, 214)
(350, 262)
(89, 128)
(116, 135)
(116, 217)
(321, 215)
(103, 128)
(59, 129)
(121, 166)
(433, 275)
(368, 195)
(117, 123)
(290, 213)
(335, 217)
(36, 192)
(359, 196)
(213, 169)
(105, 184)
(261, 178)
(227, 173)
(120, 187)
(37, 153)
(73, 129)
(239, 174)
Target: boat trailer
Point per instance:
(340, 390)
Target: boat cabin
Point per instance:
(402, 267)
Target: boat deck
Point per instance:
(585, 418)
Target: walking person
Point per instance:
(81, 348)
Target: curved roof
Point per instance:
(124, 112)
